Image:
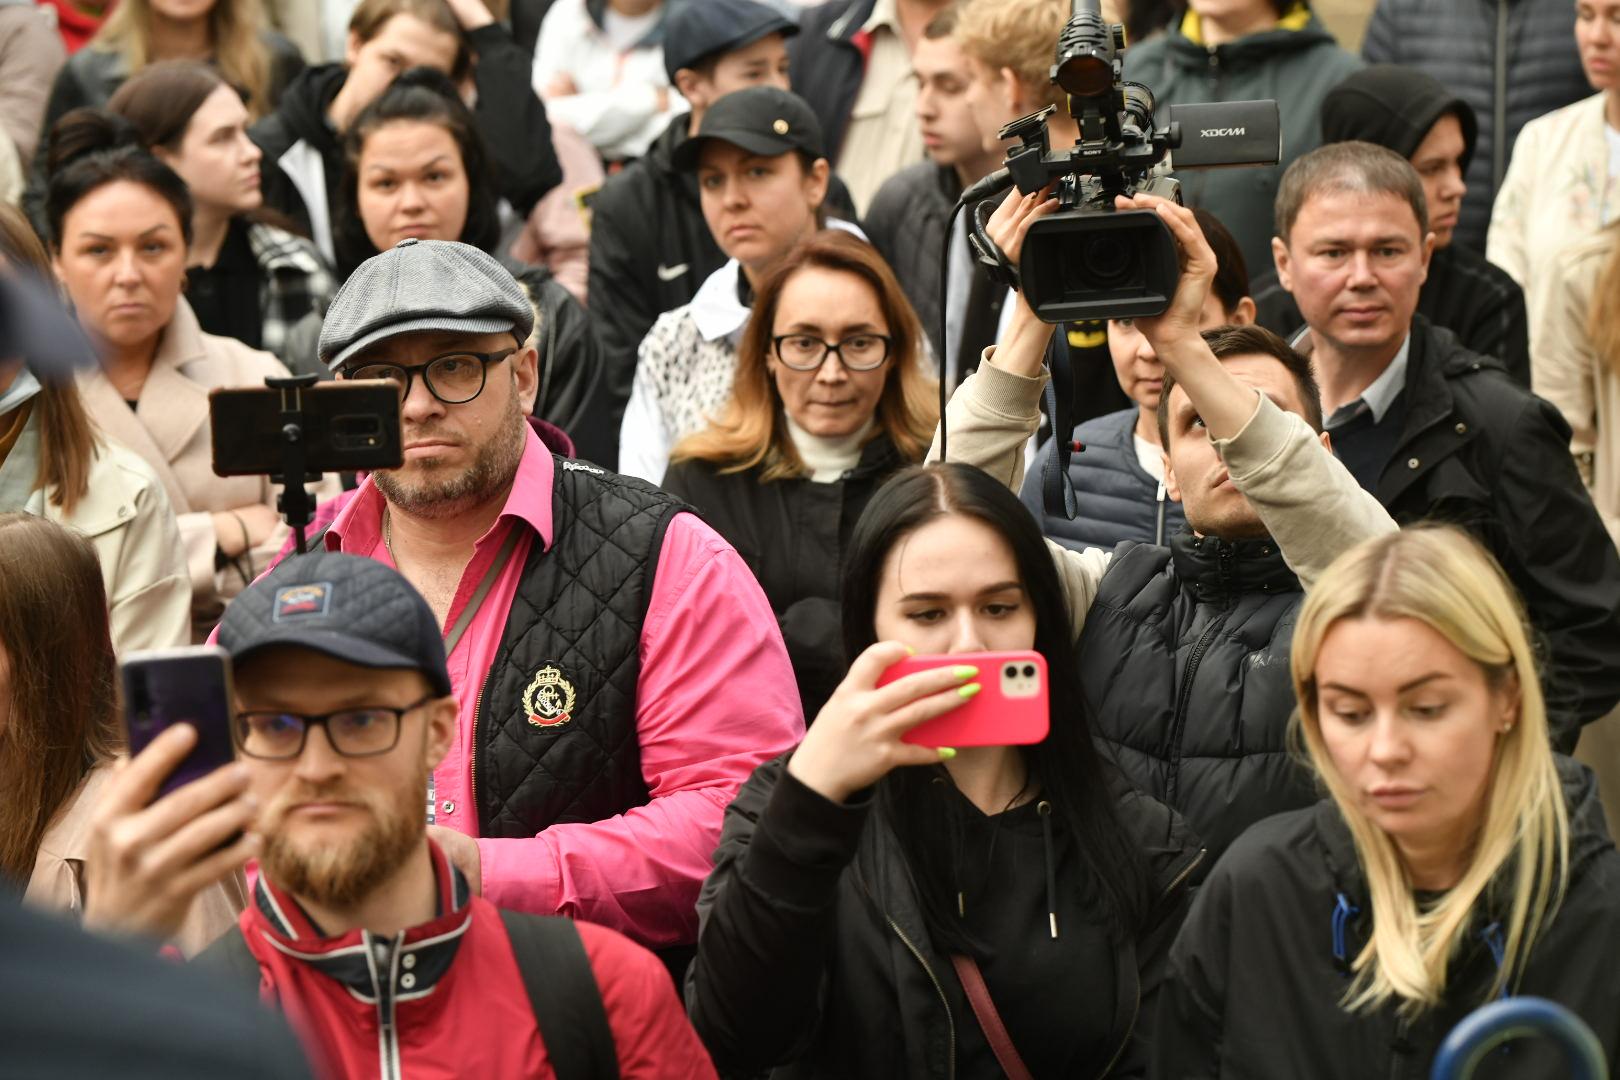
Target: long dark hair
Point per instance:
(61, 688)
(1072, 775)
(426, 96)
(90, 148)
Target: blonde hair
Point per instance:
(1445, 580)
(1603, 321)
(750, 430)
(234, 27)
(1020, 35)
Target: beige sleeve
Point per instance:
(1306, 498)
(987, 422)
(55, 884)
(150, 601)
(1505, 242)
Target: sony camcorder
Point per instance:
(1089, 260)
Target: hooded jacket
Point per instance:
(1512, 60)
(813, 956)
(1297, 63)
(1258, 972)
(829, 64)
(303, 154)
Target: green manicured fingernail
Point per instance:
(969, 690)
(964, 671)
(946, 753)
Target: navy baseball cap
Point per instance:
(763, 120)
(351, 609)
(695, 32)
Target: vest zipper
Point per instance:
(950, 1021)
(1158, 531)
(478, 706)
(1182, 700)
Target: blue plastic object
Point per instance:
(1489, 1026)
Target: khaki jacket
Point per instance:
(1566, 370)
(169, 430)
(127, 519)
(57, 883)
(1307, 499)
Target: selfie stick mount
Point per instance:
(294, 502)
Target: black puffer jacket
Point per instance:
(793, 534)
(1184, 662)
(1260, 967)
(1474, 299)
(1474, 46)
(570, 360)
(1118, 500)
(1483, 453)
(813, 955)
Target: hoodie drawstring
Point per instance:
(1044, 810)
(1343, 912)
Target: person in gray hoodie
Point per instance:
(1252, 49)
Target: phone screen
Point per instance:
(192, 685)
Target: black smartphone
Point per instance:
(348, 426)
(192, 685)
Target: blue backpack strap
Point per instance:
(564, 994)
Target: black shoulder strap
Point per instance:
(229, 958)
(564, 995)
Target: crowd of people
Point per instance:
(734, 456)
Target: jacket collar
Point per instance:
(1220, 571)
(1299, 29)
(427, 950)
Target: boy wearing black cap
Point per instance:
(650, 247)
(362, 930)
(1419, 119)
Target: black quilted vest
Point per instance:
(1184, 662)
(560, 745)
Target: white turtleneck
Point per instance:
(828, 459)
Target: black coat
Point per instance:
(1184, 662)
(570, 359)
(828, 66)
(793, 534)
(813, 954)
(1254, 984)
(1474, 299)
(1481, 452)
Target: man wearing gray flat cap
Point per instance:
(617, 669)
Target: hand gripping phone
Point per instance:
(1012, 709)
(192, 685)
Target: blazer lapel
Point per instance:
(119, 423)
(172, 407)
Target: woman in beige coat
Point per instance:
(59, 728)
(120, 224)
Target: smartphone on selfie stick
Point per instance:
(191, 685)
(1011, 709)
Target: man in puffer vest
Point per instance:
(617, 669)
(1183, 649)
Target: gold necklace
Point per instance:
(388, 537)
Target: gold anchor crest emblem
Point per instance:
(549, 700)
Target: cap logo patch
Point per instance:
(780, 127)
(549, 700)
(302, 601)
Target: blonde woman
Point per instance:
(1456, 860)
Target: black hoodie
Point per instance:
(298, 136)
(1262, 962)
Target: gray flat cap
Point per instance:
(423, 285)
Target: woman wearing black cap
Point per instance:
(762, 179)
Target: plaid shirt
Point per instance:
(295, 288)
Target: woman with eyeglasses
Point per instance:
(59, 727)
(830, 399)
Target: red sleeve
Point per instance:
(654, 1039)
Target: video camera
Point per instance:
(1088, 260)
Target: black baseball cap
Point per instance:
(695, 32)
(763, 120)
(351, 609)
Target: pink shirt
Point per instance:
(715, 698)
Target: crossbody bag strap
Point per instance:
(453, 636)
(978, 995)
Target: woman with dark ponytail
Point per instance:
(878, 907)
(119, 223)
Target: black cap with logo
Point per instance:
(763, 120)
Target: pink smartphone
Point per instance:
(1011, 710)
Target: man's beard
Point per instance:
(342, 875)
(491, 471)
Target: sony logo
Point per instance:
(1216, 133)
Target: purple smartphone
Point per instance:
(191, 685)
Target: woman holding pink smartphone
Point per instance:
(992, 909)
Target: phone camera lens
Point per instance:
(1029, 671)
(1011, 671)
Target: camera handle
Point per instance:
(294, 502)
